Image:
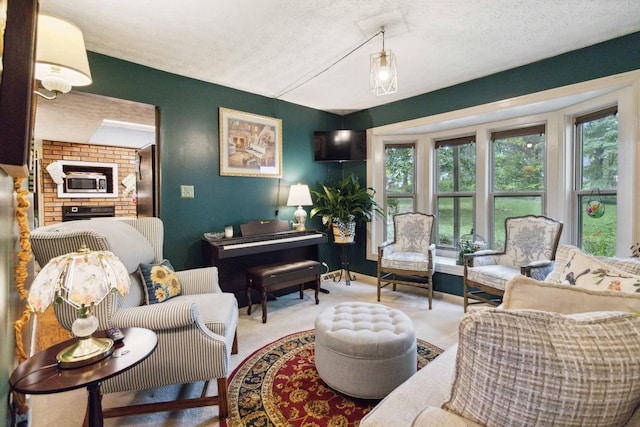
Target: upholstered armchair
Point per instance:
(529, 249)
(196, 330)
(409, 258)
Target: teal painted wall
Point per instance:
(189, 147)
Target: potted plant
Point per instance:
(468, 244)
(343, 205)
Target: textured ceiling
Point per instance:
(272, 47)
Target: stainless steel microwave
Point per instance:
(85, 182)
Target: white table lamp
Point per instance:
(299, 196)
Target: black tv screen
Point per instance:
(340, 145)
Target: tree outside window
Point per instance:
(455, 191)
(597, 180)
(399, 182)
(518, 165)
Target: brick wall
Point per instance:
(53, 151)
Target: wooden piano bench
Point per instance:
(272, 277)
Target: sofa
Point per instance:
(196, 326)
(563, 351)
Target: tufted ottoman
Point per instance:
(364, 350)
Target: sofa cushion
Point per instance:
(562, 257)
(529, 367)
(585, 271)
(495, 276)
(628, 265)
(160, 281)
(525, 292)
(416, 261)
(427, 387)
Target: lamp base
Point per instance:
(84, 352)
(300, 215)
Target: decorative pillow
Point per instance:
(562, 257)
(526, 293)
(160, 281)
(587, 272)
(535, 368)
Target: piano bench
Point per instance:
(272, 277)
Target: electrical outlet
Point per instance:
(187, 191)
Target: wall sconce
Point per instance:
(61, 58)
(383, 71)
(300, 196)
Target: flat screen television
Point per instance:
(340, 145)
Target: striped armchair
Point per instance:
(196, 330)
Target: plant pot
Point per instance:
(343, 232)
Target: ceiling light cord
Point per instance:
(286, 91)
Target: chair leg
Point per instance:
(223, 395)
(430, 290)
(234, 346)
(465, 290)
(249, 283)
(205, 388)
(378, 285)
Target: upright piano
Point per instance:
(259, 245)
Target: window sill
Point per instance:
(448, 266)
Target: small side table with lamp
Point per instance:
(82, 279)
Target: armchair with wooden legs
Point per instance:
(530, 248)
(409, 258)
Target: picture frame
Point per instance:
(250, 145)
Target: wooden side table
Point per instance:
(40, 374)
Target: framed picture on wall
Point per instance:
(250, 145)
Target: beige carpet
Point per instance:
(287, 315)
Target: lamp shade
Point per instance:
(61, 57)
(299, 195)
(81, 278)
(384, 73)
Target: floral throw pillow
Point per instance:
(160, 281)
(587, 272)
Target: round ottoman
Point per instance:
(364, 350)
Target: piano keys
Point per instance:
(234, 255)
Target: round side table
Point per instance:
(40, 373)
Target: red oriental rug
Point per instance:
(278, 385)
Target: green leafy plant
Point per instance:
(346, 201)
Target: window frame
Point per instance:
(556, 107)
(412, 195)
(520, 130)
(456, 142)
(579, 193)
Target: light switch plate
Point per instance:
(187, 191)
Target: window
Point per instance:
(596, 147)
(455, 189)
(543, 155)
(399, 182)
(517, 170)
